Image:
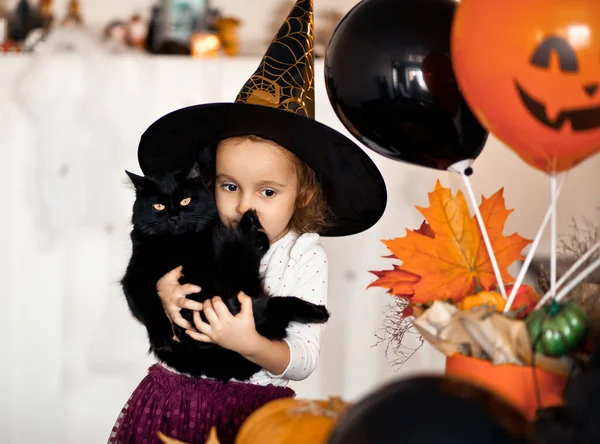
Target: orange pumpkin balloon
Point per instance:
(530, 70)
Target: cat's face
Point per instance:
(176, 203)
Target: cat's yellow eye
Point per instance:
(159, 207)
(185, 202)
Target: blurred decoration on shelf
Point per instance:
(69, 35)
(228, 33)
(115, 35)
(46, 14)
(173, 22)
(325, 25)
(9, 46)
(24, 28)
(204, 44)
(126, 35)
(73, 17)
(30, 29)
(136, 32)
(3, 25)
(153, 27)
(24, 19)
(175, 27)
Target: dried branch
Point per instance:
(581, 238)
(397, 333)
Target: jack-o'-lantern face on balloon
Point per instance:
(555, 53)
(531, 71)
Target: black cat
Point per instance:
(175, 223)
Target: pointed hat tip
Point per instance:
(285, 77)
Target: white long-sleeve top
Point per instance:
(296, 265)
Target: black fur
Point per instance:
(220, 260)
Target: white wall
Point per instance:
(257, 15)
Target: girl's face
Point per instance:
(259, 176)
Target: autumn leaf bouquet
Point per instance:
(445, 259)
(448, 284)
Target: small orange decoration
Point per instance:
(530, 70)
(489, 298)
(292, 421)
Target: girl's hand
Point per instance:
(237, 333)
(173, 297)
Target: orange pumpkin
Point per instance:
(292, 421)
(530, 70)
(483, 298)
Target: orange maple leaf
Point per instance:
(453, 262)
(397, 281)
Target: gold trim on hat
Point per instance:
(285, 76)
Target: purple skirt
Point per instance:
(186, 408)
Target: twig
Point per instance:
(394, 333)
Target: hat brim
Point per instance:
(353, 186)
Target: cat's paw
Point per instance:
(249, 222)
(320, 314)
(261, 242)
(298, 310)
(250, 227)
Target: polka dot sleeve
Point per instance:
(304, 340)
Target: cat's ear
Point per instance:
(195, 171)
(137, 181)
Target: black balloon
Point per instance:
(390, 79)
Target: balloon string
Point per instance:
(553, 236)
(533, 249)
(534, 343)
(570, 271)
(536, 382)
(484, 234)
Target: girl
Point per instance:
(254, 173)
(302, 178)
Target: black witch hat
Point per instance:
(277, 103)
